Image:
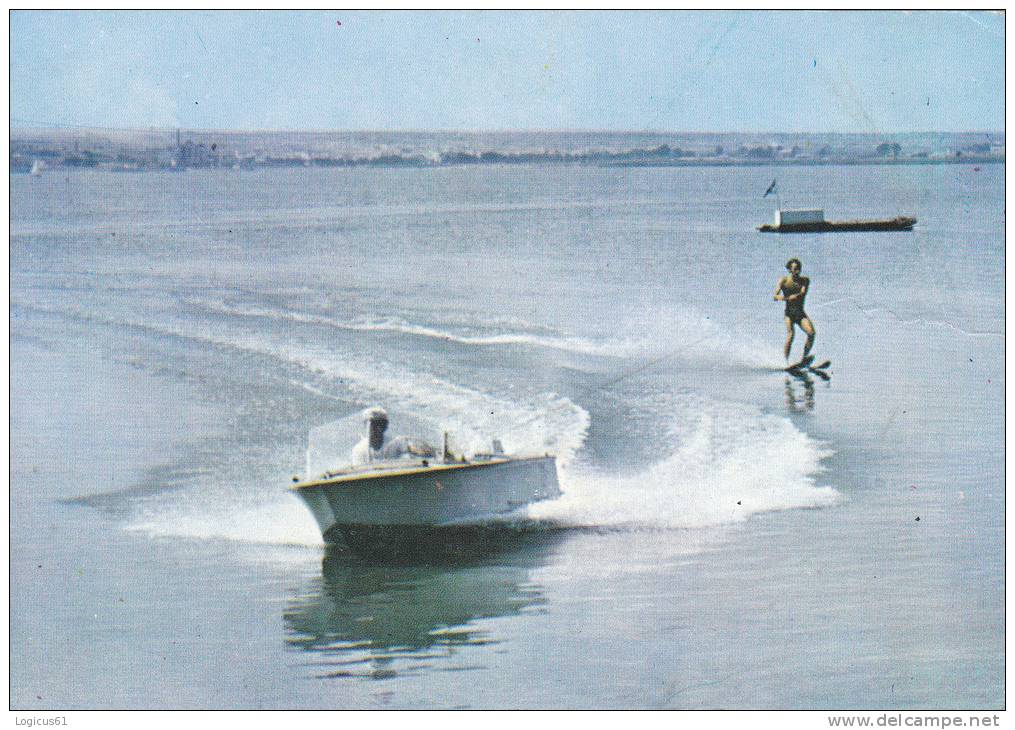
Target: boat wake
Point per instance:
(685, 335)
(279, 519)
(726, 464)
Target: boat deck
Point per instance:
(399, 468)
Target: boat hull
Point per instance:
(901, 223)
(426, 497)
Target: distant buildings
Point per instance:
(178, 150)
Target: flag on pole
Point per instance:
(771, 189)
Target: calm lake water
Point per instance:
(729, 537)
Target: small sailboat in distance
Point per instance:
(37, 167)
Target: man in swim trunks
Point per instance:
(792, 289)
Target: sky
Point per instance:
(733, 71)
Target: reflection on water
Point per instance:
(370, 617)
(797, 401)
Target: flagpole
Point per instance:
(774, 188)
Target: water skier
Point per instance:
(792, 289)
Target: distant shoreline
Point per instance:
(26, 169)
(175, 150)
(822, 163)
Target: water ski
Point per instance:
(804, 368)
(820, 373)
(802, 365)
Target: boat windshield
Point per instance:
(373, 435)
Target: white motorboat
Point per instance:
(396, 486)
